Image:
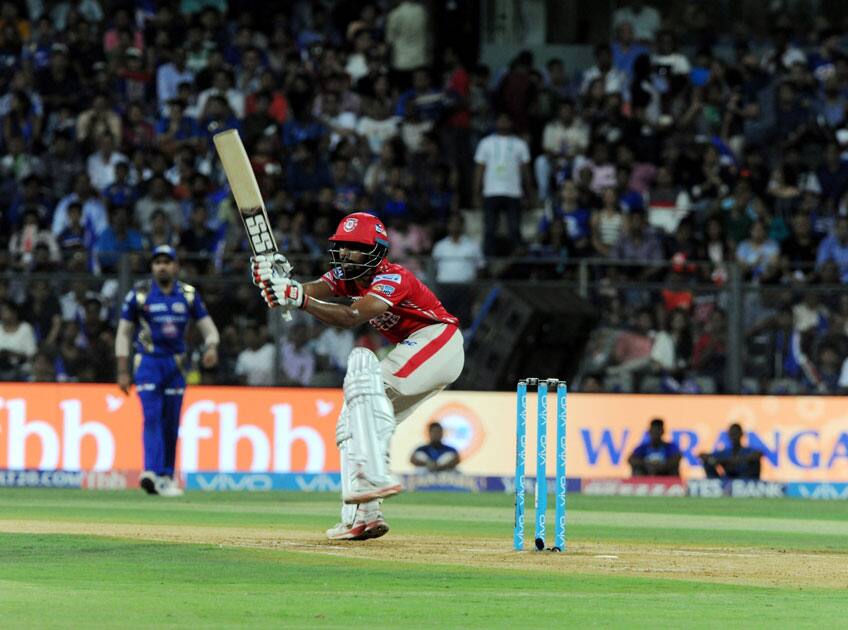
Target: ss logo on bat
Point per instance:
(259, 233)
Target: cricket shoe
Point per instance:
(147, 481)
(364, 491)
(167, 487)
(372, 525)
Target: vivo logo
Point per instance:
(226, 482)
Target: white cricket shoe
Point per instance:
(167, 487)
(147, 481)
(364, 490)
(372, 525)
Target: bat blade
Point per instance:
(246, 192)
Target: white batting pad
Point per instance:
(371, 419)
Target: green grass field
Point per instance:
(101, 559)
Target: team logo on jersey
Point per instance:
(350, 224)
(178, 307)
(385, 289)
(388, 277)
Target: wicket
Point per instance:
(541, 494)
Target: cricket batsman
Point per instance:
(428, 356)
(161, 307)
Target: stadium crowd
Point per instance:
(682, 150)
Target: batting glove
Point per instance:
(284, 292)
(266, 267)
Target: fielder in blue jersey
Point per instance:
(156, 312)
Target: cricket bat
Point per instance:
(248, 197)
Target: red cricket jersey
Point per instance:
(412, 306)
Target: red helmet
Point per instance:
(366, 231)
(361, 227)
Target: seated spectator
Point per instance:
(255, 364)
(119, 238)
(332, 348)
(735, 461)
(42, 369)
(758, 254)
(611, 78)
(23, 244)
(159, 197)
(435, 456)
(94, 215)
(457, 256)
(638, 243)
(100, 119)
(17, 342)
(377, 125)
(835, 248)
(296, 358)
(655, 457)
(563, 138)
(120, 192)
(161, 231)
(101, 164)
(198, 240)
(42, 310)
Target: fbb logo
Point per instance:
(463, 429)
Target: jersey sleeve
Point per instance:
(336, 285)
(391, 288)
(129, 309)
(198, 308)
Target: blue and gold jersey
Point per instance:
(161, 318)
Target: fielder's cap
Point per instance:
(164, 250)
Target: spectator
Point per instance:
(644, 19)
(94, 216)
(735, 461)
(625, 50)
(758, 255)
(564, 137)
(611, 79)
(406, 34)
(654, 457)
(377, 126)
(169, 75)
(101, 164)
(119, 238)
(296, 359)
(835, 248)
(17, 342)
(457, 256)
(158, 197)
(24, 242)
(98, 121)
(435, 456)
(638, 243)
(255, 364)
(502, 160)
